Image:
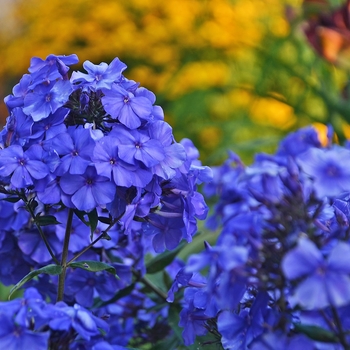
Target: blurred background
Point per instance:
(236, 74)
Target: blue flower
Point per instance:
(23, 170)
(135, 146)
(88, 190)
(46, 99)
(109, 164)
(124, 106)
(78, 318)
(329, 169)
(100, 76)
(325, 281)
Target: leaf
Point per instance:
(104, 220)
(46, 220)
(316, 333)
(51, 269)
(80, 214)
(120, 294)
(93, 266)
(159, 262)
(11, 199)
(93, 221)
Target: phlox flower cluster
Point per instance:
(89, 157)
(279, 274)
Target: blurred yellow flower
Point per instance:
(273, 112)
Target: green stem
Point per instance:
(150, 285)
(155, 289)
(42, 234)
(62, 276)
(86, 248)
(340, 331)
(102, 235)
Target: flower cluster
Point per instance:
(88, 161)
(279, 274)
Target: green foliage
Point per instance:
(51, 269)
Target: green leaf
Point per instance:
(93, 221)
(316, 333)
(11, 199)
(160, 261)
(120, 294)
(104, 220)
(93, 266)
(46, 220)
(81, 215)
(51, 269)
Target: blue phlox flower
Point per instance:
(167, 232)
(174, 153)
(238, 330)
(278, 340)
(52, 68)
(51, 126)
(107, 163)
(15, 162)
(18, 129)
(136, 146)
(85, 286)
(16, 337)
(32, 245)
(124, 106)
(78, 318)
(100, 76)
(140, 206)
(298, 142)
(325, 281)
(88, 190)
(193, 322)
(19, 92)
(75, 148)
(185, 279)
(46, 99)
(329, 169)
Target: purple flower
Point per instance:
(123, 105)
(75, 148)
(167, 232)
(329, 168)
(174, 153)
(18, 128)
(136, 146)
(23, 170)
(46, 99)
(32, 245)
(298, 142)
(51, 126)
(325, 281)
(81, 320)
(108, 163)
(88, 190)
(19, 92)
(16, 337)
(52, 68)
(85, 286)
(99, 76)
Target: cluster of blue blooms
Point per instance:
(91, 180)
(279, 274)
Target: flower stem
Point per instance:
(62, 276)
(42, 234)
(86, 248)
(149, 284)
(102, 235)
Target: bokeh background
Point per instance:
(229, 74)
